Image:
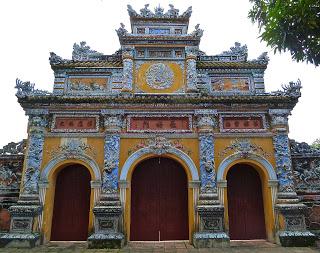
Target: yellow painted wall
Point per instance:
(129, 146)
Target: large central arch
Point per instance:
(170, 152)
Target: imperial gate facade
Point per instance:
(157, 141)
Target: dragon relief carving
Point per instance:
(293, 89)
(83, 52)
(27, 89)
(159, 76)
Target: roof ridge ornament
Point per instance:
(237, 53)
(56, 59)
(122, 31)
(83, 52)
(262, 59)
(158, 12)
(25, 89)
(292, 89)
(237, 50)
(197, 32)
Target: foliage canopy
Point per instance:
(292, 25)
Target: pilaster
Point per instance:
(290, 214)
(211, 212)
(191, 63)
(25, 227)
(127, 58)
(108, 210)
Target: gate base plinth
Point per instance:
(106, 241)
(296, 238)
(294, 232)
(16, 240)
(211, 240)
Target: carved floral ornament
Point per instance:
(160, 145)
(244, 147)
(206, 118)
(71, 148)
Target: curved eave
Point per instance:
(289, 101)
(88, 64)
(214, 65)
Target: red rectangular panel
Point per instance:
(75, 123)
(243, 123)
(161, 124)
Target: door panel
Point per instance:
(71, 204)
(245, 204)
(159, 201)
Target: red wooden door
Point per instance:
(71, 204)
(245, 204)
(159, 201)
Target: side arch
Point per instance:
(47, 186)
(145, 151)
(88, 162)
(269, 186)
(226, 163)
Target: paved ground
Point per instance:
(177, 247)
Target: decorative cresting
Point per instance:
(191, 61)
(108, 210)
(28, 207)
(159, 76)
(294, 231)
(211, 212)
(159, 12)
(127, 58)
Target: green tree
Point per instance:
(292, 25)
(316, 144)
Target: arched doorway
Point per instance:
(71, 204)
(245, 203)
(159, 201)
